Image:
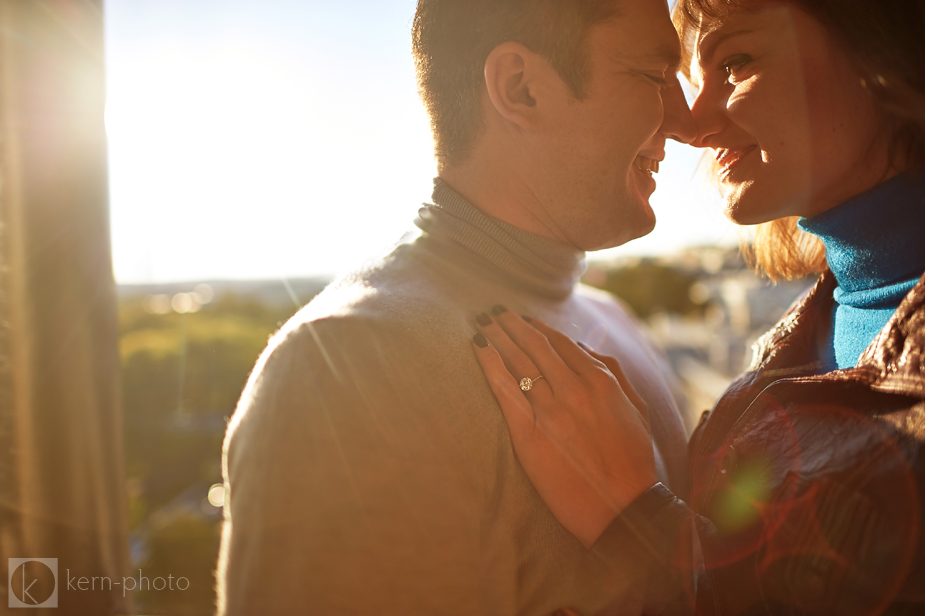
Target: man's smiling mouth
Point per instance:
(647, 165)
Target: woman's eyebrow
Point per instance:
(711, 40)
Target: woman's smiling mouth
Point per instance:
(728, 158)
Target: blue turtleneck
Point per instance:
(875, 246)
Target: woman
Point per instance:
(809, 474)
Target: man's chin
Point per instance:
(626, 230)
(643, 224)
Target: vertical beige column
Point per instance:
(62, 486)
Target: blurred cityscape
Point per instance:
(705, 308)
(187, 349)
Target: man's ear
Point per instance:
(519, 84)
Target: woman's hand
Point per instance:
(581, 432)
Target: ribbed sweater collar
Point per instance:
(544, 266)
(876, 238)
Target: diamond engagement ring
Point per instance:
(527, 384)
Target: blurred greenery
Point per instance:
(181, 377)
(648, 286)
(191, 362)
(186, 547)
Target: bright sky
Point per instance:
(284, 138)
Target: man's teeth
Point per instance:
(649, 165)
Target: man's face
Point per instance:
(593, 182)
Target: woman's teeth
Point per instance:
(648, 165)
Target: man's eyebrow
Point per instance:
(663, 55)
(711, 41)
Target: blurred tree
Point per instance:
(649, 287)
(182, 547)
(182, 375)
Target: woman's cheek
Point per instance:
(746, 96)
(766, 111)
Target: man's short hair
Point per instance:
(453, 38)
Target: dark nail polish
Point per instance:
(498, 310)
(483, 319)
(480, 341)
(526, 318)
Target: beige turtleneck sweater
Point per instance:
(368, 467)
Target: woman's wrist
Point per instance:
(655, 522)
(599, 518)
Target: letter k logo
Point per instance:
(33, 582)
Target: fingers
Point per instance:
(617, 370)
(519, 337)
(514, 404)
(533, 348)
(519, 363)
(573, 355)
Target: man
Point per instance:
(369, 469)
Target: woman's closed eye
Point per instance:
(734, 66)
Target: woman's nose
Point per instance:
(708, 113)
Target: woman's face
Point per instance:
(791, 127)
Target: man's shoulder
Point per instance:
(369, 356)
(350, 324)
(608, 305)
(388, 316)
(383, 290)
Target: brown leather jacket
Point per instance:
(809, 487)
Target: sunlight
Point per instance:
(233, 159)
(288, 141)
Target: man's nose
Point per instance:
(678, 123)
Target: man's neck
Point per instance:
(499, 191)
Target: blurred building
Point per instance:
(708, 335)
